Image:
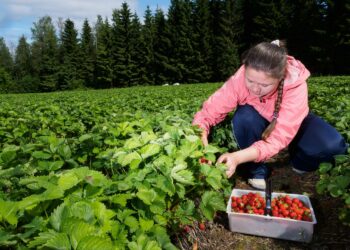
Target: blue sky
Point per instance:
(17, 16)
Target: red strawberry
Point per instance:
(234, 204)
(203, 161)
(202, 226)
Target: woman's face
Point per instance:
(260, 83)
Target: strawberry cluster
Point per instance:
(282, 206)
(251, 203)
(286, 207)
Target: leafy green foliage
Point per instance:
(96, 170)
(335, 181)
(211, 202)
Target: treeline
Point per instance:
(196, 41)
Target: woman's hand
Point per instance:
(204, 138)
(231, 162)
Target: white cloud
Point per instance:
(18, 11)
(17, 16)
(76, 10)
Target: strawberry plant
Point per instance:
(335, 181)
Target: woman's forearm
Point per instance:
(246, 155)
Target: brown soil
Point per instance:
(329, 232)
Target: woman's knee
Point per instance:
(310, 159)
(245, 115)
(248, 125)
(319, 139)
(335, 146)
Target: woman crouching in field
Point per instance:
(269, 92)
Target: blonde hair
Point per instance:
(272, 59)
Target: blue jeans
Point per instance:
(315, 142)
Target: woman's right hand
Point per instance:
(231, 162)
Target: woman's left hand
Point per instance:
(231, 162)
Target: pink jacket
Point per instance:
(294, 107)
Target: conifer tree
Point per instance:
(162, 49)
(44, 53)
(146, 49)
(88, 54)
(6, 68)
(201, 41)
(70, 70)
(231, 31)
(6, 61)
(122, 46)
(23, 67)
(136, 52)
(6, 83)
(226, 59)
(104, 60)
(237, 23)
(183, 54)
(269, 22)
(304, 43)
(338, 34)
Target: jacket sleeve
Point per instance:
(223, 101)
(294, 108)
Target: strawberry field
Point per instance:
(121, 169)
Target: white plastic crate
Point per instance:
(269, 226)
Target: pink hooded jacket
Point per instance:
(294, 107)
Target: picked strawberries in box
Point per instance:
(282, 206)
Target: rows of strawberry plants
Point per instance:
(104, 169)
(112, 169)
(329, 98)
